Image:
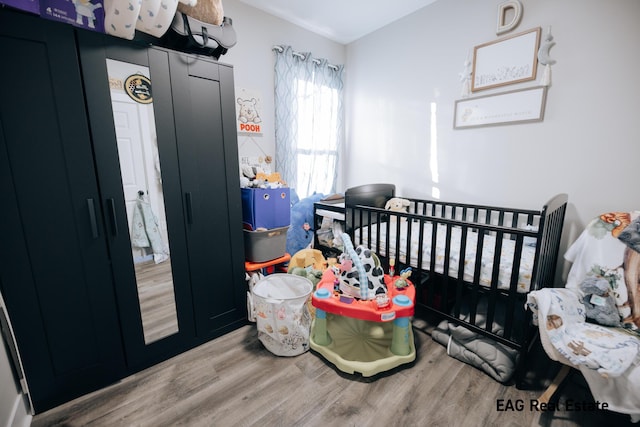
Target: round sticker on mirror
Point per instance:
(138, 87)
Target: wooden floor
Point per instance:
(234, 381)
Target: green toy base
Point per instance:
(361, 346)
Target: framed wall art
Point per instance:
(516, 106)
(509, 60)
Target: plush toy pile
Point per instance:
(259, 177)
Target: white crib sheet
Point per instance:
(486, 270)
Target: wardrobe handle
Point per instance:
(187, 201)
(92, 218)
(111, 205)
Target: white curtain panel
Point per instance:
(309, 126)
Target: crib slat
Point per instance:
(494, 281)
(513, 285)
(369, 226)
(396, 223)
(476, 279)
(420, 273)
(432, 260)
(387, 240)
(460, 281)
(407, 248)
(445, 268)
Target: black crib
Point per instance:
(507, 253)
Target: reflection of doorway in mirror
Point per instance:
(140, 167)
(142, 186)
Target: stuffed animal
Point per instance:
(402, 282)
(599, 302)
(397, 204)
(272, 178)
(300, 233)
(308, 258)
(209, 11)
(312, 274)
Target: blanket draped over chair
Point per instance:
(608, 357)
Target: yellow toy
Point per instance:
(308, 258)
(271, 178)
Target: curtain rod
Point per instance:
(301, 56)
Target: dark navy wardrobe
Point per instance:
(66, 270)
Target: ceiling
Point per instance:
(342, 21)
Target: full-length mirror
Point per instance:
(132, 103)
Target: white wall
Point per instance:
(14, 406)
(587, 145)
(254, 60)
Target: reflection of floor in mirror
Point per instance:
(157, 301)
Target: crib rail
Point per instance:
(551, 223)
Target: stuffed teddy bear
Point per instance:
(397, 204)
(308, 259)
(599, 302)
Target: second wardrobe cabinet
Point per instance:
(181, 177)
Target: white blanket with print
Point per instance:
(609, 358)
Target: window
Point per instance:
(309, 121)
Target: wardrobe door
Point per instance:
(204, 110)
(131, 118)
(54, 266)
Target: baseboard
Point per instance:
(19, 416)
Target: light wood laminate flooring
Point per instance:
(235, 381)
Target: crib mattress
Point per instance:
(488, 251)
